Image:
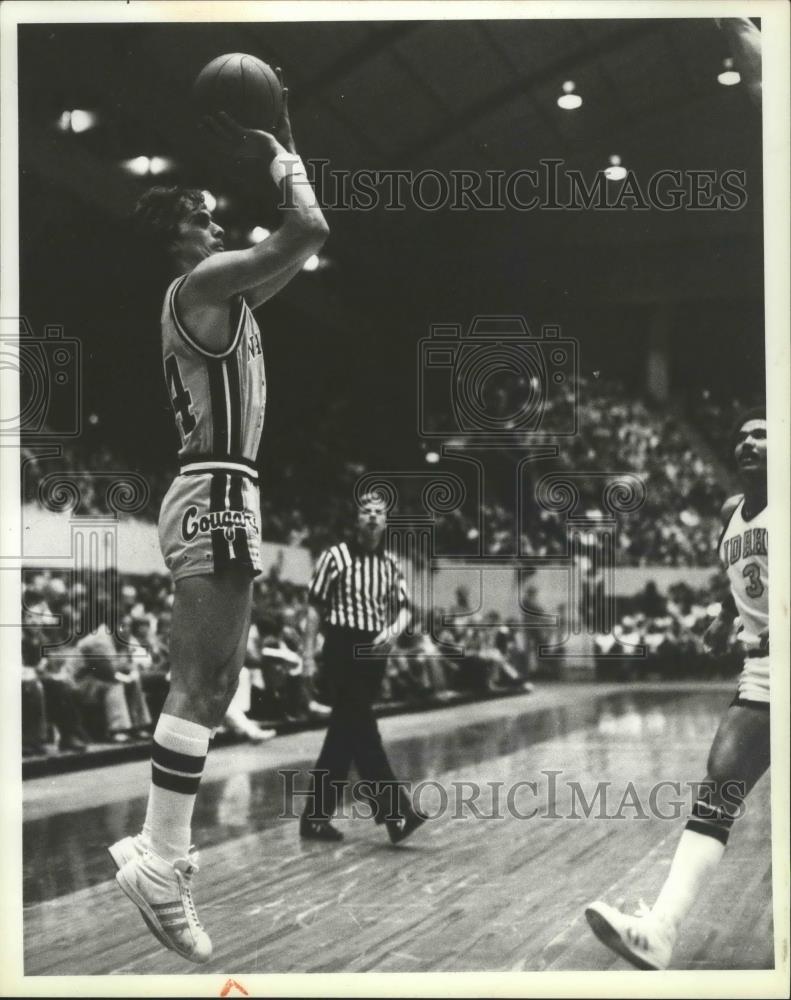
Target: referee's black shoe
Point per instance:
(399, 829)
(322, 829)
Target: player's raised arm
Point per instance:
(271, 285)
(745, 43)
(274, 261)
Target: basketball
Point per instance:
(244, 87)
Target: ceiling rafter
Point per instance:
(524, 83)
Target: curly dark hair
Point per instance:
(158, 212)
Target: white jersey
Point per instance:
(218, 398)
(744, 551)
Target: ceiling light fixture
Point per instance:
(138, 165)
(160, 164)
(616, 171)
(77, 120)
(729, 77)
(568, 100)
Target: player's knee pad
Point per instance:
(715, 809)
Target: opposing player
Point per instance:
(740, 752)
(208, 528)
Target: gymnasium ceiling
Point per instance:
(411, 95)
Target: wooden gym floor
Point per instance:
(465, 893)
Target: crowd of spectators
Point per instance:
(91, 676)
(677, 525)
(670, 630)
(94, 675)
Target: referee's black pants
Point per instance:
(352, 732)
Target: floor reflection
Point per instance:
(66, 852)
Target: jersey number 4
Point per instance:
(180, 398)
(752, 572)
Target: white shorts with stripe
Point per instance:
(210, 520)
(754, 680)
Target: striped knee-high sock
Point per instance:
(177, 760)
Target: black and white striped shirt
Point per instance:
(358, 589)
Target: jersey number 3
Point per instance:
(752, 572)
(180, 398)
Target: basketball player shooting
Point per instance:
(209, 521)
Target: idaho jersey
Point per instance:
(218, 398)
(744, 554)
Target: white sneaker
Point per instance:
(640, 939)
(125, 850)
(163, 894)
(258, 735)
(132, 847)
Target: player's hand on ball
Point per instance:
(283, 127)
(243, 143)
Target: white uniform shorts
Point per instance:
(754, 680)
(209, 522)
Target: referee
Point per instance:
(359, 596)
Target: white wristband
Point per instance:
(286, 165)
